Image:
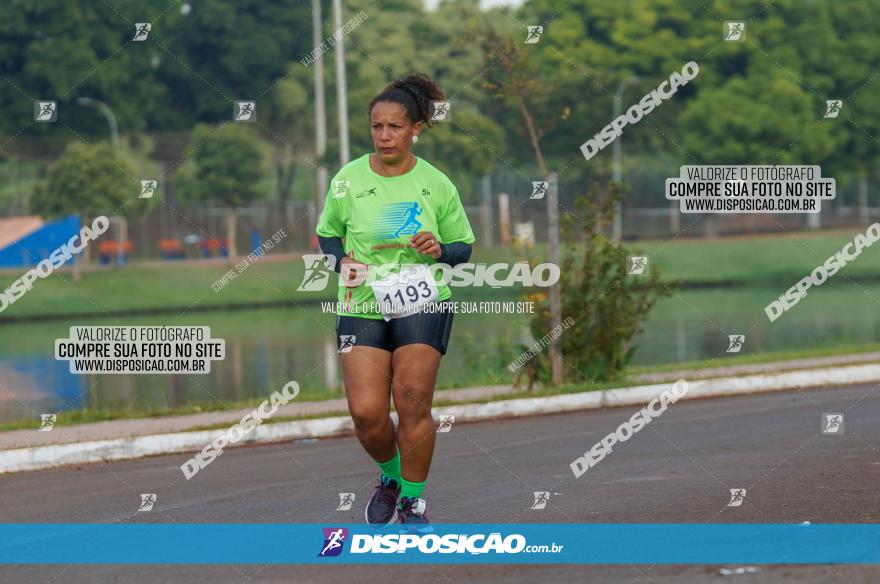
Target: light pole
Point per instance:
(615, 111)
(341, 92)
(104, 109)
(122, 231)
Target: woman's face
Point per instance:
(392, 131)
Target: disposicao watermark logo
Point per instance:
(832, 424)
(346, 500)
(533, 34)
(47, 422)
(737, 496)
(234, 434)
(55, 260)
(735, 343)
(645, 106)
(334, 541)
(467, 274)
(337, 35)
(450, 543)
(821, 274)
(45, 111)
(141, 31)
(319, 266)
(249, 259)
(147, 501)
(655, 408)
(499, 275)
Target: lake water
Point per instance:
(268, 347)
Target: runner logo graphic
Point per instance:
(397, 219)
(45, 111)
(319, 266)
(541, 498)
(737, 496)
(47, 422)
(147, 501)
(345, 501)
(539, 189)
(439, 111)
(734, 32)
(141, 31)
(735, 343)
(334, 541)
(533, 34)
(637, 265)
(148, 187)
(245, 111)
(366, 193)
(832, 423)
(346, 342)
(832, 107)
(446, 422)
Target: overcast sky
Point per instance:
(431, 4)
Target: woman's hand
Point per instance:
(426, 242)
(352, 272)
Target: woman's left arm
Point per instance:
(454, 253)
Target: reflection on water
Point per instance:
(267, 348)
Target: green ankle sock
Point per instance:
(391, 469)
(411, 489)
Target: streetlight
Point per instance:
(341, 91)
(615, 111)
(104, 109)
(114, 136)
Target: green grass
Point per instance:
(767, 260)
(74, 417)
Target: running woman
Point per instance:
(395, 329)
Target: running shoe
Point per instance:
(382, 507)
(411, 511)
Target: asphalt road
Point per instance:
(678, 469)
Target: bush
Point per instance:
(608, 306)
(88, 181)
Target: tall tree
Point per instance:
(228, 166)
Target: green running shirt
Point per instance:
(376, 215)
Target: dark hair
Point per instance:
(415, 92)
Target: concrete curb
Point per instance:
(41, 457)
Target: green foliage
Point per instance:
(607, 306)
(228, 166)
(470, 145)
(89, 181)
(755, 102)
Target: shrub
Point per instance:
(608, 306)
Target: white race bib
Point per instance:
(405, 292)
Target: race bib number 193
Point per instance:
(406, 291)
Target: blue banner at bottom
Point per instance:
(472, 543)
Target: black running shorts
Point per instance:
(431, 327)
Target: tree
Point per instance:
(603, 304)
(517, 80)
(88, 181)
(228, 167)
(289, 112)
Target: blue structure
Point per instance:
(255, 239)
(37, 245)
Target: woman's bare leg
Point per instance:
(414, 372)
(367, 375)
